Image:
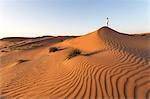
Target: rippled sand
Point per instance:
(111, 65)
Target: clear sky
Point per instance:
(71, 17)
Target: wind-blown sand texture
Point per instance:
(111, 65)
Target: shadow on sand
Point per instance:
(95, 52)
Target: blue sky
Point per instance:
(71, 17)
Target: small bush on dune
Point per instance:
(4, 51)
(22, 60)
(53, 49)
(74, 53)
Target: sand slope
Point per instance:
(112, 65)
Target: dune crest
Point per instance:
(105, 64)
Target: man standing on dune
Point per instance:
(107, 21)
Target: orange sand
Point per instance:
(112, 65)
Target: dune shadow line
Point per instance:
(95, 52)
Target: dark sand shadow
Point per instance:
(95, 52)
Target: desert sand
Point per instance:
(108, 65)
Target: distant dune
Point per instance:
(104, 64)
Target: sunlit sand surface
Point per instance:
(110, 65)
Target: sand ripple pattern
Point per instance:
(124, 76)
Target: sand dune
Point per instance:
(111, 65)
